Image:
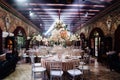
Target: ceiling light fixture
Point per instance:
(21, 0)
(31, 13)
(86, 14)
(40, 24)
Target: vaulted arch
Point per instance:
(96, 42)
(117, 39)
(20, 37)
(18, 29)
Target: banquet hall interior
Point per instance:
(59, 39)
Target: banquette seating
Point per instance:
(114, 62)
(8, 63)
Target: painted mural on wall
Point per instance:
(9, 22)
(108, 23)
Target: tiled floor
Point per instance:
(97, 72)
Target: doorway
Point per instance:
(83, 43)
(117, 40)
(20, 38)
(96, 42)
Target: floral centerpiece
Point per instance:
(59, 34)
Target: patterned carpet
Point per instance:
(97, 72)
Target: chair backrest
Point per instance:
(75, 64)
(86, 58)
(84, 64)
(32, 58)
(56, 65)
(76, 69)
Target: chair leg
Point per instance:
(44, 77)
(32, 76)
(61, 78)
(73, 78)
(50, 77)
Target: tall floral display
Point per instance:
(59, 34)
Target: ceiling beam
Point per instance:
(72, 5)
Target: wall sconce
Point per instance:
(28, 38)
(5, 34)
(109, 23)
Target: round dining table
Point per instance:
(67, 63)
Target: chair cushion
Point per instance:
(74, 72)
(56, 73)
(37, 64)
(39, 69)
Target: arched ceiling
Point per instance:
(73, 13)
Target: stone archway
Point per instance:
(117, 39)
(96, 42)
(20, 37)
(83, 41)
(16, 31)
